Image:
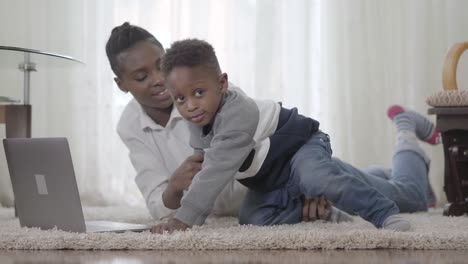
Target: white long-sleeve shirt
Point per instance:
(156, 152)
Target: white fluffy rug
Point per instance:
(430, 231)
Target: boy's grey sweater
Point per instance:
(229, 141)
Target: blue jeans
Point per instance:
(314, 172)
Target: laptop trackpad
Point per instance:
(107, 226)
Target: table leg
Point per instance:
(456, 172)
(455, 209)
(17, 119)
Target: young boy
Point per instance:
(281, 155)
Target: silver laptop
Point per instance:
(45, 189)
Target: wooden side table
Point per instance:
(452, 122)
(17, 117)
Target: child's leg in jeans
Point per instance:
(408, 185)
(410, 124)
(377, 171)
(319, 174)
(386, 174)
(281, 206)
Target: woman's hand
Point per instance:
(316, 209)
(181, 180)
(182, 177)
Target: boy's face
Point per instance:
(197, 92)
(140, 74)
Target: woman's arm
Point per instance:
(181, 180)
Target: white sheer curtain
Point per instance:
(376, 53)
(341, 62)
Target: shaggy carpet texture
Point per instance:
(430, 230)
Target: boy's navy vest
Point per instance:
(292, 132)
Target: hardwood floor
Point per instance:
(254, 256)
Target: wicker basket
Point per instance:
(450, 96)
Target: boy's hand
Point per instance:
(316, 209)
(172, 225)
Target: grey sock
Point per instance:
(413, 121)
(397, 223)
(338, 216)
(407, 137)
(407, 140)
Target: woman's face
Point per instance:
(141, 75)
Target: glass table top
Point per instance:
(12, 57)
(16, 63)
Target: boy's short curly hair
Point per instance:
(190, 53)
(124, 37)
